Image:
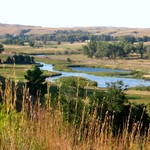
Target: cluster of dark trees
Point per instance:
(20, 59)
(35, 82)
(114, 49)
(15, 39)
(13, 42)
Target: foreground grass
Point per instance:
(41, 128)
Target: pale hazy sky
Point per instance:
(71, 13)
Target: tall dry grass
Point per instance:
(38, 127)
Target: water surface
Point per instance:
(101, 80)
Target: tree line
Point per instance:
(112, 50)
(19, 59)
(69, 36)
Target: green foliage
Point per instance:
(114, 102)
(138, 74)
(115, 98)
(69, 98)
(20, 59)
(128, 39)
(68, 60)
(1, 48)
(90, 49)
(36, 82)
(31, 44)
(140, 48)
(59, 42)
(76, 81)
(72, 109)
(65, 52)
(139, 113)
(72, 85)
(2, 117)
(14, 42)
(110, 50)
(148, 52)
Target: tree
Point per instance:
(35, 82)
(141, 49)
(31, 44)
(20, 59)
(115, 102)
(128, 39)
(114, 50)
(148, 52)
(128, 48)
(9, 60)
(90, 49)
(115, 97)
(1, 48)
(59, 42)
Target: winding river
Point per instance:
(101, 80)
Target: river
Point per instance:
(101, 80)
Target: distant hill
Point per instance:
(97, 30)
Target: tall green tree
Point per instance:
(113, 50)
(128, 48)
(36, 82)
(90, 49)
(102, 50)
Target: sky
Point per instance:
(74, 13)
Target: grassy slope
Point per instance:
(114, 31)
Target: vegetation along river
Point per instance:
(101, 80)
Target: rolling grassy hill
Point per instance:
(114, 31)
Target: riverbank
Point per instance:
(140, 68)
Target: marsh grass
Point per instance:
(43, 128)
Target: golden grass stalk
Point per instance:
(40, 128)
